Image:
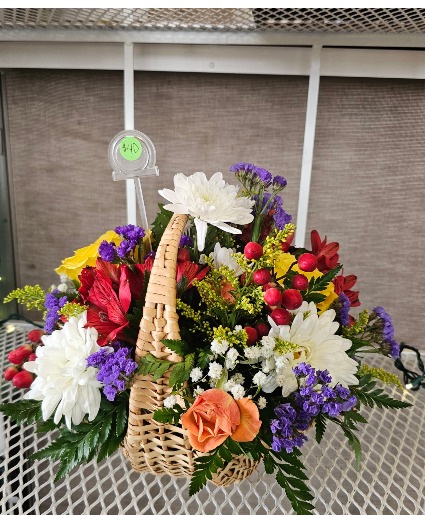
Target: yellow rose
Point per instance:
(282, 266)
(85, 256)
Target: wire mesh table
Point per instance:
(392, 479)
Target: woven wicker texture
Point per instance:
(150, 445)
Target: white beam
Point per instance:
(129, 124)
(307, 158)
(216, 38)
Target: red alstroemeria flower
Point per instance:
(343, 285)
(187, 272)
(107, 310)
(326, 253)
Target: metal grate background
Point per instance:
(354, 20)
(391, 480)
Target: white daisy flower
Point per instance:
(210, 202)
(313, 341)
(64, 384)
(224, 256)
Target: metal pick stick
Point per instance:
(132, 156)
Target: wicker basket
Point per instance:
(149, 445)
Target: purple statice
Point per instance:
(186, 241)
(388, 344)
(318, 397)
(287, 427)
(264, 175)
(53, 302)
(115, 368)
(107, 251)
(281, 218)
(242, 167)
(344, 307)
(130, 232)
(125, 247)
(279, 182)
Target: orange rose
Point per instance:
(216, 415)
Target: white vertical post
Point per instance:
(307, 158)
(129, 124)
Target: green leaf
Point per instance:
(355, 445)
(178, 346)
(28, 411)
(321, 283)
(54, 451)
(233, 446)
(181, 371)
(299, 497)
(225, 453)
(205, 467)
(315, 297)
(160, 223)
(204, 357)
(168, 415)
(65, 467)
(149, 365)
(121, 419)
(46, 427)
(269, 465)
(320, 427)
(366, 394)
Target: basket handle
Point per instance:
(160, 319)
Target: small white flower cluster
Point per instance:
(215, 370)
(196, 374)
(219, 347)
(231, 358)
(170, 401)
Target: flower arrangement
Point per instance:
(270, 352)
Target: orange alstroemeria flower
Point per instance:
(215, 415)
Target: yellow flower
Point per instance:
(85, 256)
(283, 263)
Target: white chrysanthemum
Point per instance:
(314, 342)
(196, 374)
(170, 401)
(224, 256)
(210, 202)
(63, 382)
(238, 392)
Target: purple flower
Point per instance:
(125, 247)
(345, 304)
(281, 218)
(130, 232)
(279, 182)
(389, 346)
(264, 175)
(115, 368)
(302, 369)
(53, 302)
(287, 426)
(186, 241)
(107, 251)
(242, 167)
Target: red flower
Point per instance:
(326, 253)
(343, 285)
(187, 272)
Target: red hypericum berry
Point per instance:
(252, 335)
(15, 358)
(35, 335)
(268, 286)
(262, 329)
(307, 262)
(24, 351)
(286, 244)
(300, 282)
(261, 277)
(23, 379)
(272, 297)
(253, 250)
(281, 316)
(32, 357)
(10, 373)
(291, 299)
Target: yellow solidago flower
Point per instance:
(85, 256)
(284, 262)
